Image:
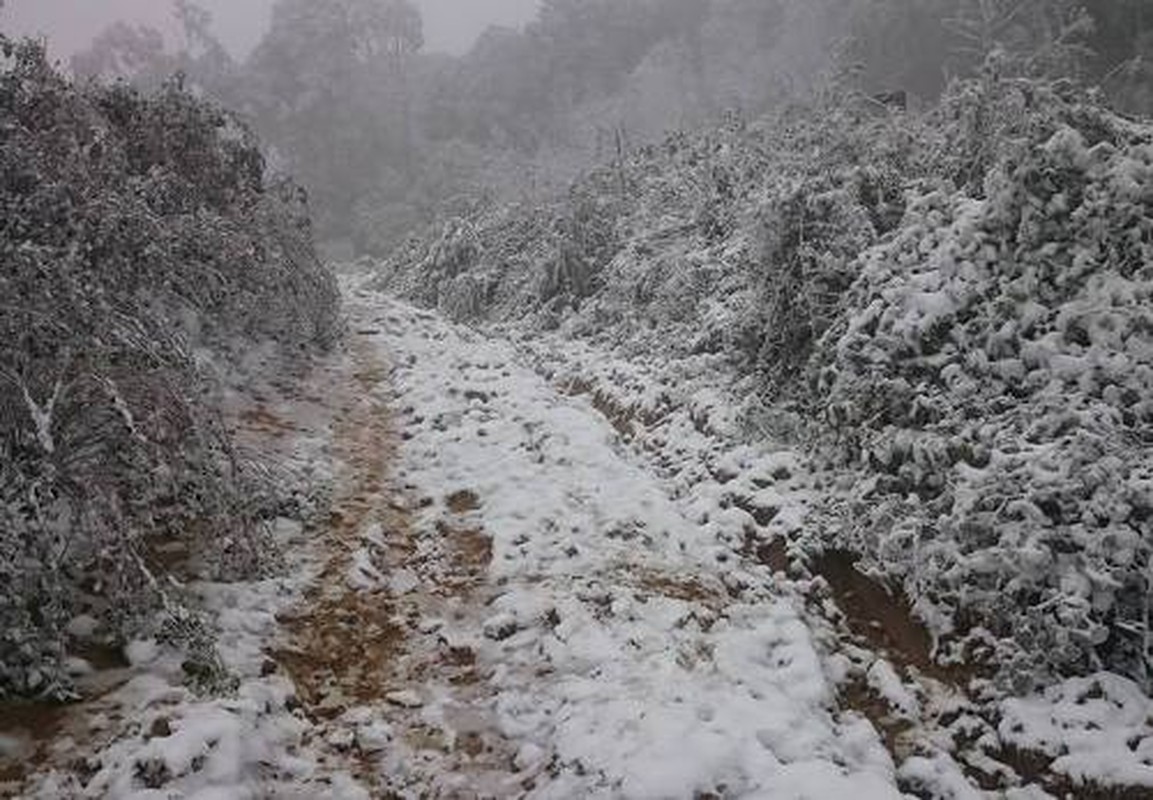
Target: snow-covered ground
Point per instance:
(544, 576)
(625, 651)
(143, 734)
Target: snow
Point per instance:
(884, 680)
(1098, 729)
(232, 748)
(939, 776)
(626, 645)
(628, 648)
(151, 737)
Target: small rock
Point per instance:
(360, 715)
(142, 652)
(152, 773)
(373, 738)
(341, 739)
(333, 703)
(77, 667)
(405, 699)
(269, 667)
(161, 729)
(501, 627)
(429, 626)
(10, 746)
(529, 757)
(83, 627)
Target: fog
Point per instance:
(69, 25)
(412, 119)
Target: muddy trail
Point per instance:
(365, 649)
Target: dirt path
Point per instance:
(575, 627)
(366, 648)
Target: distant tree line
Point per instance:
(385, 135)
(923, 44)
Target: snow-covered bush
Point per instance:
(739, 237)
(959, 300)
(993, 374)
(141, 250)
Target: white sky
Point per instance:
(450, 25)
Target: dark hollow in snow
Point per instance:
(883, 618)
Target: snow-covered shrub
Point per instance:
(845, 191)
(141, 250)
(960, 300)
(993, 373)
(738, 238)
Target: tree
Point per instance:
(920, 45)
(203, 58)
(329, 87)
(1123, 48)
(594, 44)
(1043, 36)
(135, 53)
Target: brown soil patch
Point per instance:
(343, 642)
(683, 588)
(463, 502)
(348, 647)
(862, 698)
(34, 726)
(773, 554)
(342, 651)
(881, 617)
(469, 552)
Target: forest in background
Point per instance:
(387, 138)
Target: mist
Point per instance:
(451, 26)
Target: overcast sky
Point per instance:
(450, 25)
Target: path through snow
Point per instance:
(543, 575)
(615, 648)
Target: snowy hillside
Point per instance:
(941, 323)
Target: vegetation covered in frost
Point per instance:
(958, 302)
(143, 251)
(993, 373)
